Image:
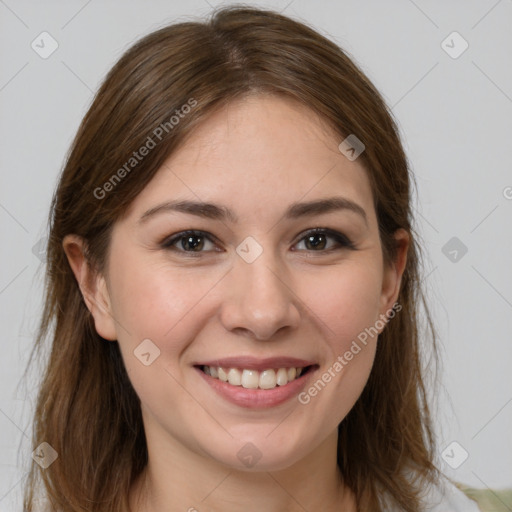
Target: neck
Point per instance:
(179, 479)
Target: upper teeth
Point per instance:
(252, 379)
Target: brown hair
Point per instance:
(87, 409)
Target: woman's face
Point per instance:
(252, 288)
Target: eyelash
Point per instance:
(342, 240)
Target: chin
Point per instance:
(259, 454)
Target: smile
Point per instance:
(256, 389)
(254, 379)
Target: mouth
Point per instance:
(250, 378)
(256, 383)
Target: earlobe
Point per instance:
(394, 271)
(92, 286)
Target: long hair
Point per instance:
(87, 409)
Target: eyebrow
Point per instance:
(222, 213)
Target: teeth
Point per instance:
(282, 377)
(250, 379)
(222, 375)
(253, 379)
(234, 377)
(267, 379)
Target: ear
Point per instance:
(92, 285)
(393, 271)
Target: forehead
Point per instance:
(258, 154)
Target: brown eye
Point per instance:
(189, 242)
(316, 241)
(320, 239)
(194, 243)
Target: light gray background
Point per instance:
(456, 119)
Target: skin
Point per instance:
(256, 157)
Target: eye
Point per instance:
(190, 241)
(193, 242)
(317, 240)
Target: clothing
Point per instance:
(490, 500)
(444, 497)
(448, 498)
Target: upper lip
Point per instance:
(253, 363)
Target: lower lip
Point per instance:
(257, 398)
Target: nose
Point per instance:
(258, 302)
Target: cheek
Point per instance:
(346, 301)
(165, 305)
(154, 300)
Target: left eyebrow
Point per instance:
(322, 206)
(223, 213)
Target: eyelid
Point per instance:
(169, 241)
(342, 240)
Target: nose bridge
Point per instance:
(260, 301)
(263, 280)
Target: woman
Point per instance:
(233, 282)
